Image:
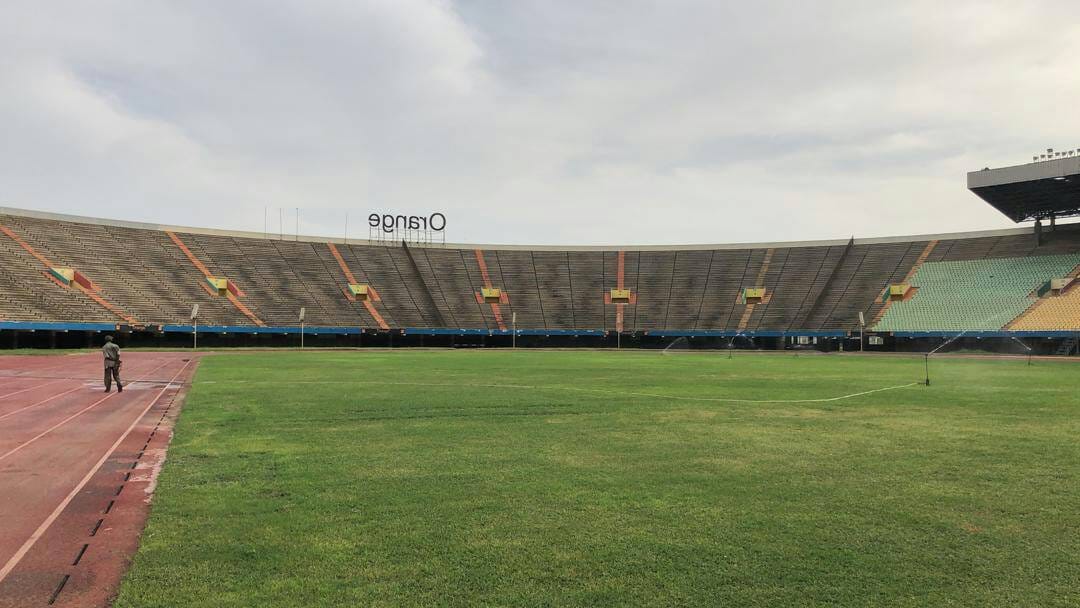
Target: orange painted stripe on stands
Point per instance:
(341, 262)
(202, 268)
(760, 282)
(621, 274)
(487, 283)
(483, 268)
(244, 309)
(44, 260)
(190, 256)
(373, 296)
(375, 314)
(344, 269)
(907, 279)
(620, 277)
(109, 306)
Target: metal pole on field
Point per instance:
(195, 326)
(862, 330)
(302, 311)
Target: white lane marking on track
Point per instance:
(36, 386)
(42, 402)
(72, 417)
(45, 525)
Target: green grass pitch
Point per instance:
(532, 478)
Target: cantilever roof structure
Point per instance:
(1033, 191)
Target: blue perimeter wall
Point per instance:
(409, 331)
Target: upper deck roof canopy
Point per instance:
(1033, 191)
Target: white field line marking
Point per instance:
(74, 416)
(601, 391)
(44, 527)
(36, 386)
(42, 402)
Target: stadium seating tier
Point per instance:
(153, 277)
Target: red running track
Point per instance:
(77, 467)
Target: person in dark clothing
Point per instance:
(112, 365)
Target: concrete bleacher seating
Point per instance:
(973, 294)
(144, 274)
(1055, 312)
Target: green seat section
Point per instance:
(973, 295)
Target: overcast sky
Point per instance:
(534, 121)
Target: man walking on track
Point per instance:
(112, 365)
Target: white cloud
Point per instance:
(534, 122)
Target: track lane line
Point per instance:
(42, 402)
(36, 386)
(77, 414)
(67, 364)
(45, 525)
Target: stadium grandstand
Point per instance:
(650, 305)
(66, 278)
